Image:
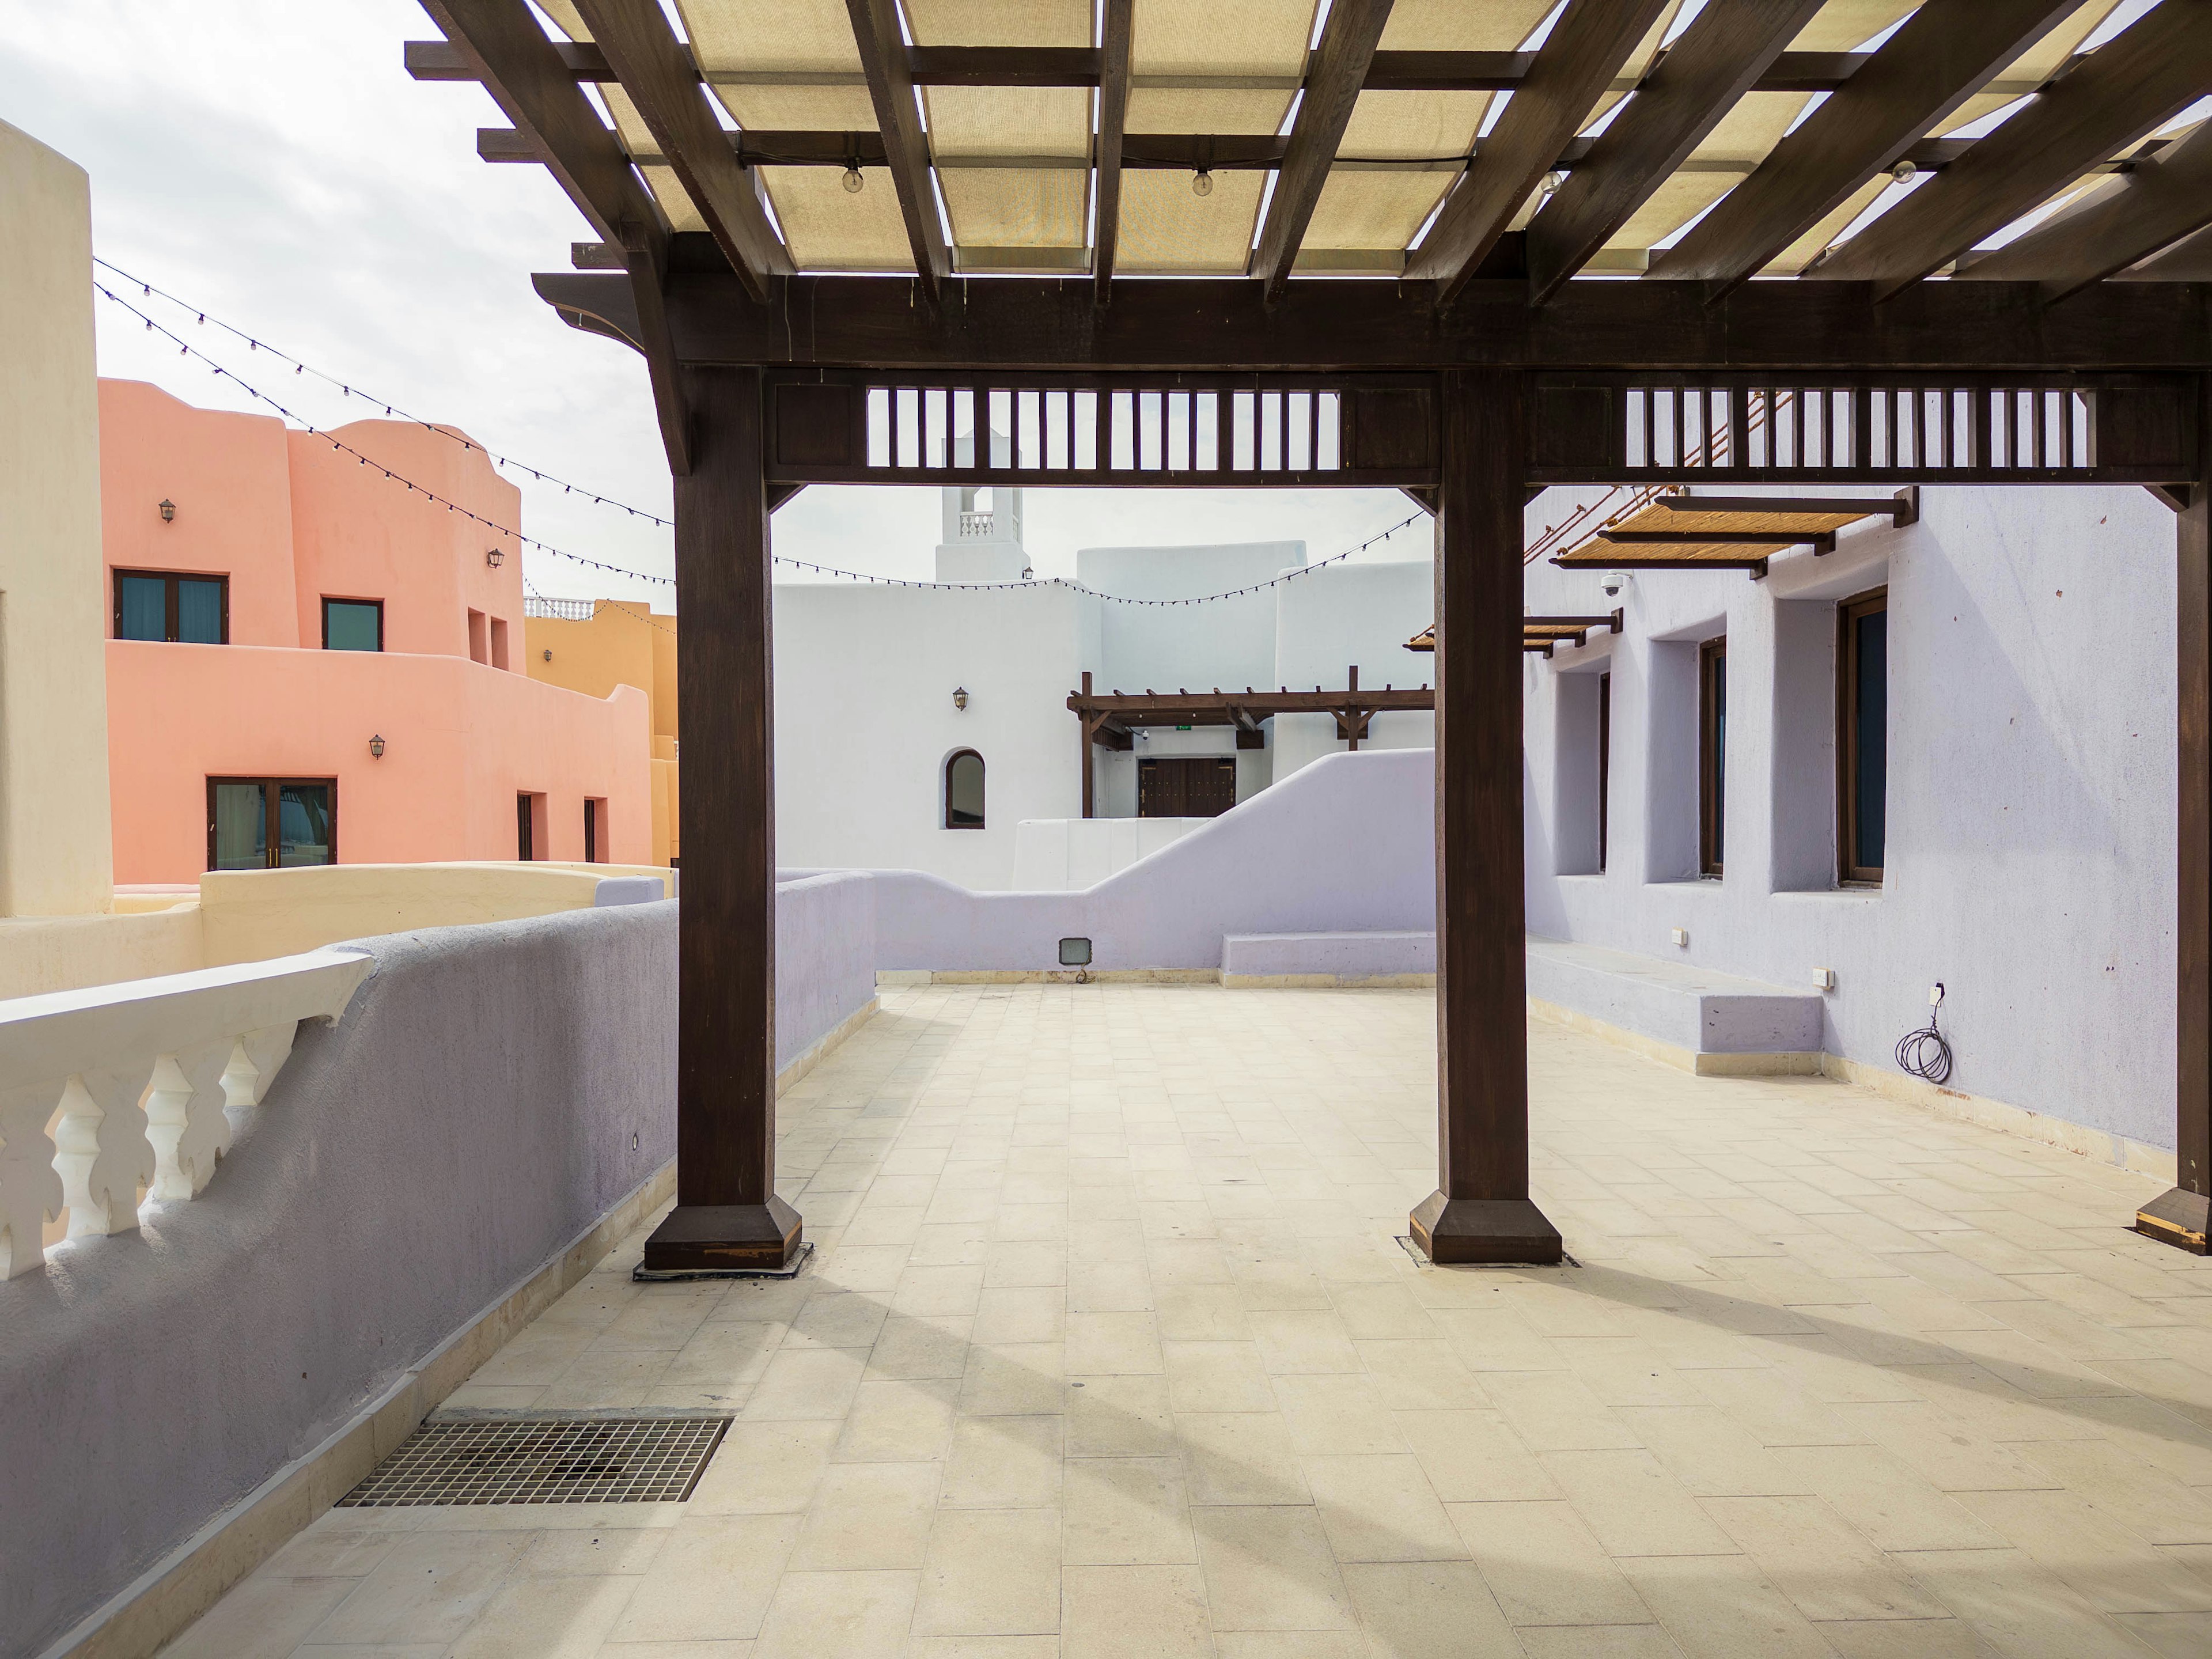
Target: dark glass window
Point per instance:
(963, 791)
(353, 624)
(1862, 737)
(265, 823)
(1712, 754)
(169, 605)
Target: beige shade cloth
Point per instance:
(1622, 556)
(1166, 228)
(828, 229)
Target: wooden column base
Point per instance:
(2178, 1218)
(728, 1237)
(1457, 1230)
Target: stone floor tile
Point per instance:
(1820, 1562)
(1216, 1376)
(1892, 1504)
(1120, 1417)
(2170, 1634)
(765, 1468)
(1014, 1379)
(1134, 1613)
(1125, 1512)
(1427, 1609)
(838, 1615)
(1336, 1416)
(1545, 1566)
(2150, 1502)
(429, 1589)
(1723, 1608)
(2020, 1609)
(265, 1617)
(1598, 1642)
(594, 1552)
(866, 1517)
(1021, 1314)
(1555, 1411)
(1003, 1463)
(897, 1422)
(1473, 1456)
(1270, 1569)
(1907, 1638)
(712, 1581)
(1634, 1505)
(803, 1383)
(1113, 1344)
(991, 1572)
(2112, 1567)
(1293, 1342)
(1380, 1508)
(546, 1618)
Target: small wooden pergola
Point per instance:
(843, 238)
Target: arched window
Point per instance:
(963, 791)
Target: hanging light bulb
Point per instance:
(1201, 183)
(1553, 181)
(1903, 171)
(853, 181)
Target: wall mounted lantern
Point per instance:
(495, 557)
(168, 511)
(549, 654)
(959, 696)
(376, 747)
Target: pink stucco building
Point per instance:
(308, 662)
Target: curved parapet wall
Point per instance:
(1345, 845)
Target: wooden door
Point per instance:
(1186, 787)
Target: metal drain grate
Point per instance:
(545, 1459)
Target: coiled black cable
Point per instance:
(1926, 1054)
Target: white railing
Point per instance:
(536, 605)
(108, 1092)
(978, 526)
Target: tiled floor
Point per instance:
(1110, 1349)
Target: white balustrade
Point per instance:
(978, 526)
(108, 1092)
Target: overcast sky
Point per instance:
(270, 162)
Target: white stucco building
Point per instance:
(868, 723)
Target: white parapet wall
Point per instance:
(1064, 855)
(124, 1090)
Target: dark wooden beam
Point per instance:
(898, 117)
(1113, 110)
(504, 47)
(2183, 1216)
(2158, 201)
(1480, 1211)
(2131, 84)
(1078, 66)
(728, 1215)
(1339, 65)
(1207, 325)
(1942, 55)
(1586, 48)
(1719, 59)
(656, 70)
(507, 50)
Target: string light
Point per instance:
(522, 540)
(346, 390)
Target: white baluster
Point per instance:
(185, 1118)
(101, 1150)
(30, 1191)
(255, 1061)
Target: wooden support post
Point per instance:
(1480, 1211)
(2183, 1216)
(1084, 724)
(727, 1216)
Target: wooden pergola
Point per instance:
(842, 237)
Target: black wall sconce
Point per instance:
(376, 747)
(168, 511)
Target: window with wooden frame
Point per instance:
(353, 624)
(1862, 737)
(1604, 760)
(272, 823)
(182, 607)
(1712, 754)
(963, 790)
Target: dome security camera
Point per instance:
(1615, 583)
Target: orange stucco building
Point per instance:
(592, 645)
(308, 662)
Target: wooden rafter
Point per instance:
(1113, 110)
(1942, 55)
(655, 68)
(2113, 96)
(898, 117)
(1340, 67)
(2162, 199)
(1587, 47)
(510, 53)
(1719, 58)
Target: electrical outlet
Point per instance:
(1824, 978)
(1681, 937)
(1935, 994)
